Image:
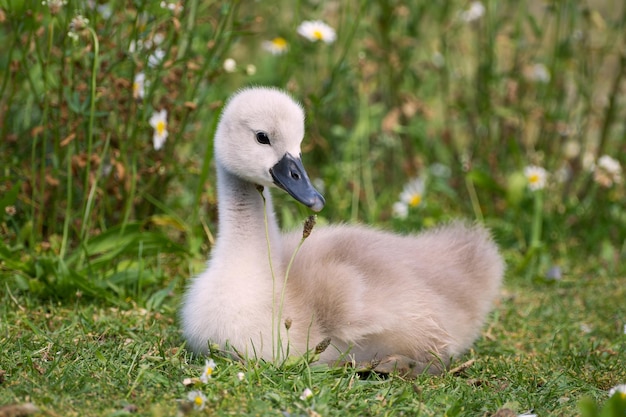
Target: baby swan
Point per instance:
(409, 302)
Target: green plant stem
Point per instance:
(275, 337)
(330, 84)
(284, 289)
(90, 128)
(364, 152)
(474, 199)
(68, 210)
(92, 192)
(530, 262)
(204, 173)
(535, 232)
(131, 194)
(612, 109)
(38, 166)
(192, 7)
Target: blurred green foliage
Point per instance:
(463, 99)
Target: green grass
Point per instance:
(100, 232)
(545, 348)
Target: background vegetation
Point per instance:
(101, 230)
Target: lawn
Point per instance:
(507, 113)
(544, 349)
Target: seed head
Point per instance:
(321, 346)
(309, 223)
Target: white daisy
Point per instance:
(159, 122)
(413, 192)
(209, 367)
(197, 398)
(411, 196)
(276, 46)
(139, 84)
(400, 210)
(618, 389)
(316, 30)
(536, 177)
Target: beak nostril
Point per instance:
(289, 175)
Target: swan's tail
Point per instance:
(471, 277)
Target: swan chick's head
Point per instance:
(258, 139)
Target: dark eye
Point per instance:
(262, 138)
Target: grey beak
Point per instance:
(290, 175)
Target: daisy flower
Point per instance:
(618, 389)
(413, 192)
(400, 210)
(536, 177)
(316, 30)
(197, 398)
(139, 84)
(209, 367)
(276, 46)
(411, 196)
(475, 12)
(159, 122)
(306, 394)
(230, 65)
